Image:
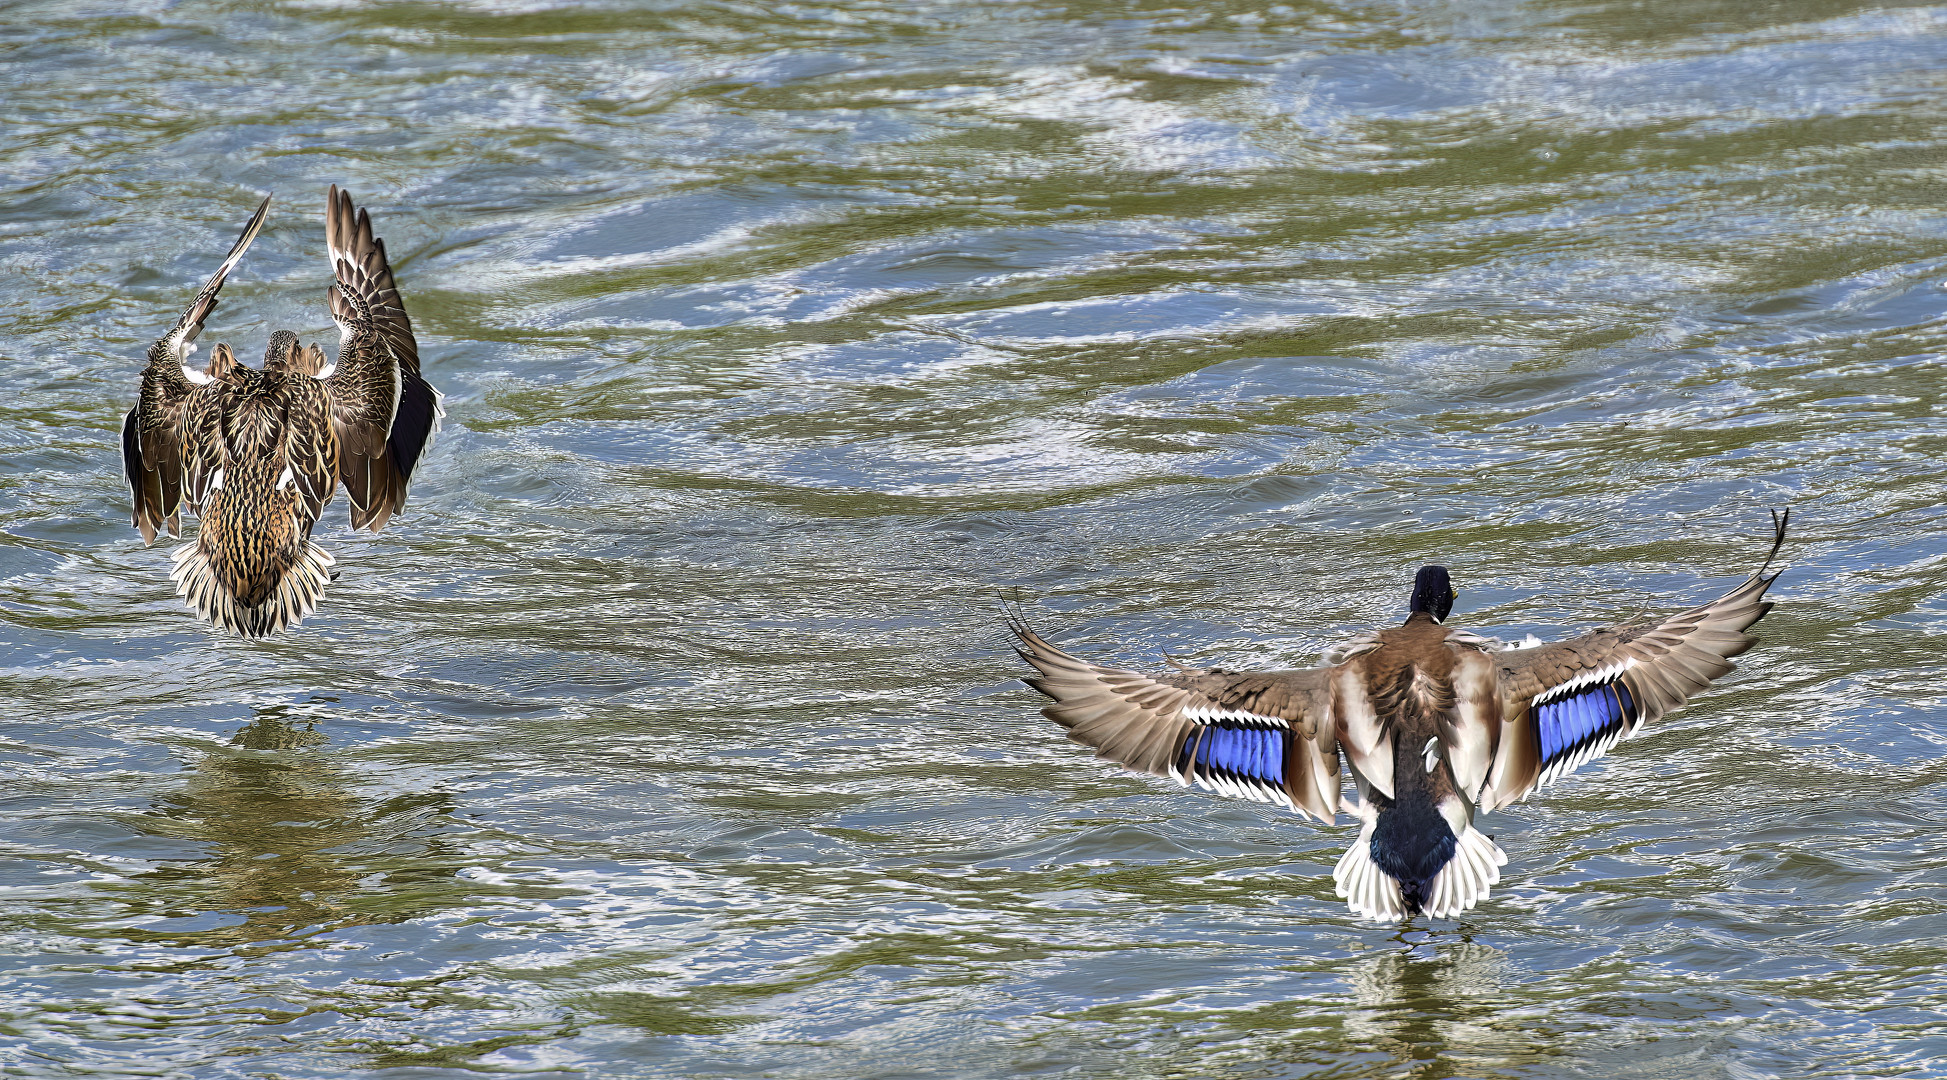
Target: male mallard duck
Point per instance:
(257, 453)
(1435, 725)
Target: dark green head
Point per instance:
(1433, 592)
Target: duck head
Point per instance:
(283, 345)
(1433, 592)
(222, 365)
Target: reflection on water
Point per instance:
(1436, 1006)
(289, 845)
(671, 730)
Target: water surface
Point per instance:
(672, 732)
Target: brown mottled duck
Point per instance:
(256, 453)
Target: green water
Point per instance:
(672, 730)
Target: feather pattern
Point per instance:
(152, 431)
(1566, 703)
(265, 443)
(383, 411)
(1434, 725)
(257, 454)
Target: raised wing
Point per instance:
(1266, 736)
(383, 413)
(180, 341)
(152, 454)
(1565, 704)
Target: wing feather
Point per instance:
(152, 434)
(383, 412)
(1266, 736)
(180, 341)
(1560, 703)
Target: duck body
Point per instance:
(1434, 726)
(261, 460)
(1405, 699)
(257, 453)
(1416, 826)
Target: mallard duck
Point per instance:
(257, 453)
(1435, 725)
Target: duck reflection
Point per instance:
(1432, 1005)
(293, 850)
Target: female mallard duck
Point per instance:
(257, 453)
(1435, 725)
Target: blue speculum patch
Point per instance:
(1573, 721)
(1252, 752)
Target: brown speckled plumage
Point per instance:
(383, 411)
(258, 453)
(152, 432)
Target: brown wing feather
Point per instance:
(1659, 664)
(378, 361)
(152, 433)
(152, 452)
(1148, 723)
(178, 341)
(362, 269)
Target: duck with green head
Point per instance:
(1435, 725)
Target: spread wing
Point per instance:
(152, 432)
(1566, 703)
(1266, 736)
(383, 413)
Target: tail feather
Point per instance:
(1368, 890)
(295, 596)
(1465, 881)
(1467, 878)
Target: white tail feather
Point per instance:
(1465, 880)
(1368, 890)
(1468, 876)
(296, 596)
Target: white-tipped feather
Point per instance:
(1600, 675)
(196, 377)
(1368, 890)
(1213, 713)
(1468, 876)
(1372, 893)
(295, 597)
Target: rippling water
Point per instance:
(671, 731)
